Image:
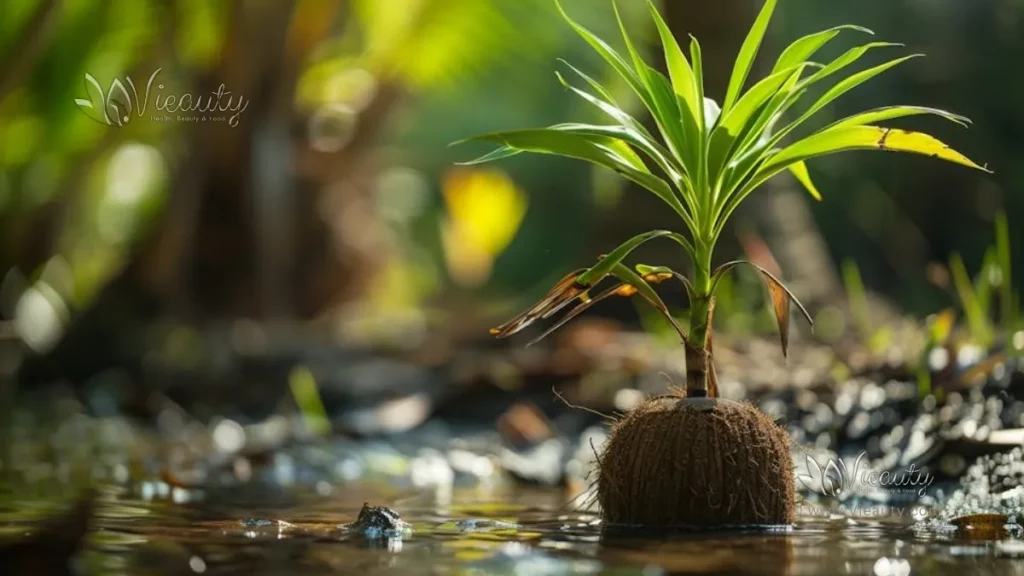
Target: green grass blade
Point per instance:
(857, 299)
(865, 138)
(616, 113)
(748, 52)
(831, 141)
(756, 141)
(698, 80)
(500, 153)
(891, 112)
(1007, 303)
(846, 59)
(700, 148)
(640, 136)
(752, 151)
(735, 123)
(645, 271)
(617, 62)
(803, 48)
(307, 398)
(844, 86)
(616, 256)
(976, 320)
(623, 273)
(983, 282)
(663, 103)
(603, 151)
(638, 62)
(594, 84)
(677, 125)
(678, 66)
(799, 170)
(752, 101)
(612, 138)
(649, 147)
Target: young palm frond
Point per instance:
(706, 159)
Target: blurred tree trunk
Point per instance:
(256, 221)
(245, 232)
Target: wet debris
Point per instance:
(989, 502)
(982, 526)
(379, 522)
(524, 425)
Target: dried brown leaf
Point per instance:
(780, 297)
(564, 292)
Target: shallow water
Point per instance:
(516, 531)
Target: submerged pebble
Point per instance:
(379, 522)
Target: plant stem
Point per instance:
(698, 353)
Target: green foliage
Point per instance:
(1009, 303)
(705, 160)
(876, 339)
(307, 398)
(975, 308)
(435, 43)
(988, 300)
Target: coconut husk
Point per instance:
(699, 462)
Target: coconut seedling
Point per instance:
(688, 457)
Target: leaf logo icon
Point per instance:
(811, 482)
(96, 105)
(113, 108)
(119, 103)
(830, 480)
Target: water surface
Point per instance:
(516, 531)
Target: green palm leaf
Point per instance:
(799, 171)
(748, 52)
(597, 273)
(679, 69)
(711, 158)
(807, 46)
(844, 138)
(603, 151)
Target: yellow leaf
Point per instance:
(485, 210)
(921, 143)
(799, 170)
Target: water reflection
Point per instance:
(527, 532)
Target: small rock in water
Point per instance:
(988, 526)
(378, 521)
(473, 525)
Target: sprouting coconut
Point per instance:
(690, 458)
